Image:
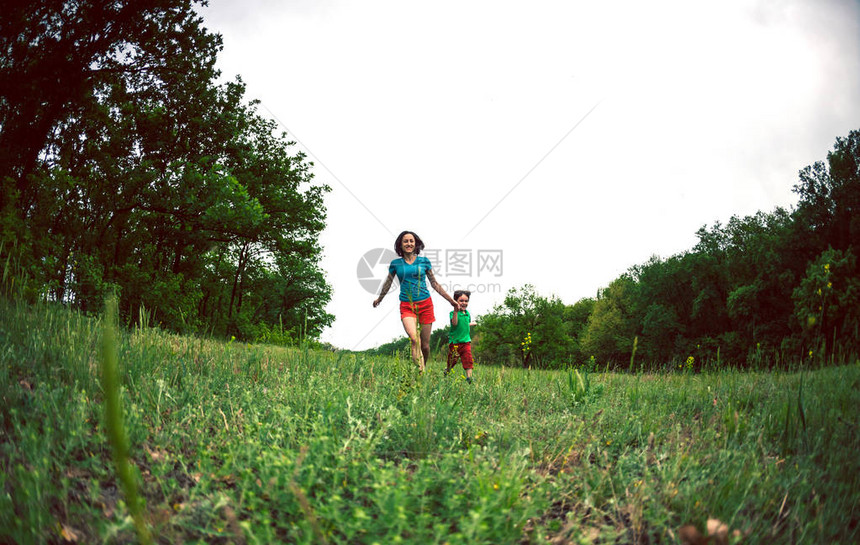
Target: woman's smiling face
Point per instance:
(407, 243)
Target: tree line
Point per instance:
(127, 167)
(763, 290)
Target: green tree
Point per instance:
(662, 306)
(611, 330)
(526, 328)
(575, 321)
(56, 57)
(829, 207)
(660, 331)
(759, 302)
(75, 74)
(742, 275)
(827, 302)
(152, 179)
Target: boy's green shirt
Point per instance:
(461, 333)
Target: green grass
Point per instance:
(235, 443)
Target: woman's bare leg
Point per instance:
(426, 329)
(410, 324)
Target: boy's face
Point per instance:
(463, 301)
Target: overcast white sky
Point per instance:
(566, 140)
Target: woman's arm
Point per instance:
(431, 278)
(385, 286)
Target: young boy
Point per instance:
(459, 337)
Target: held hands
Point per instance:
(376, 302)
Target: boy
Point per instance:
(459, 337)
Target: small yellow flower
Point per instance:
(827, 266)
(819, 291)
(830, 284)
(495, 486)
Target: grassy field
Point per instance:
(231, 443)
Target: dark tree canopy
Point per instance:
(126, 167)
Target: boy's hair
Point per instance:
(458, 293)
(398, 244)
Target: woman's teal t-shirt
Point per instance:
(413, 281)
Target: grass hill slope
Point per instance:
(235, 443)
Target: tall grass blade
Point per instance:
(633, 352)
(113, 420)
(800, 408)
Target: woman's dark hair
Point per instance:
(398, 244)
(458, 293)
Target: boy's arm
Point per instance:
(471, 321)
(454, 318)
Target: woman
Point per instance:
(416, 307)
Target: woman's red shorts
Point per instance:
(423, 310)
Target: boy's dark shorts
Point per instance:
(464, 351)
